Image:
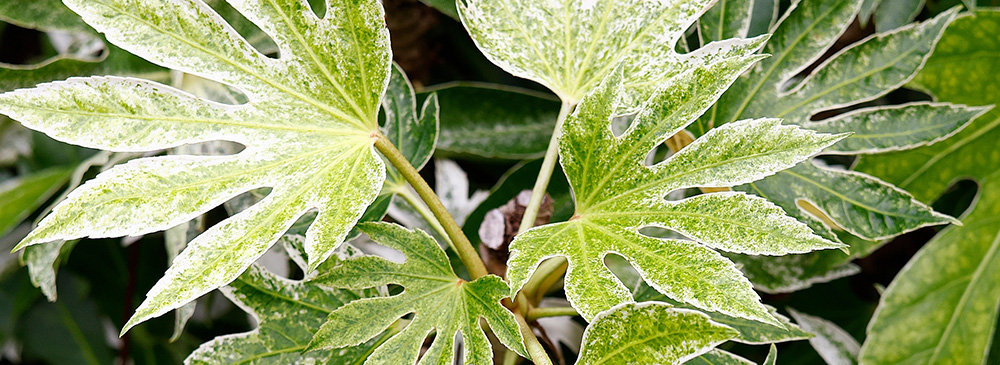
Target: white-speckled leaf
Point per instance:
(864, 71)
(943, 305)
(833, 344)
(287, 313)
(307, 130)
(570, 46)
(859, 73)
(439, 300)
(650, 333)
(616, 194)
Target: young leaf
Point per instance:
(570, 46)
(307, 130)
(439, 300)
(287, 314)
(495, 121)
(650, 333)
(833, 344)
(942, 307)
(616, 194)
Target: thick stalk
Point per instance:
(535, 349)
(469, 256)
(417, 205)
(536, 313)
(545, 174)
(546, 275)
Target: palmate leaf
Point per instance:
(440, 301)
(287, 314)
(831, 198)
(616, 194)
(650, 333)
(569, 46)
(307, 129)
(943, 306)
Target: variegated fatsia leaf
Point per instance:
(830, 198)
(287, 314)
(650, 333)
(616, 194)
(308, 129)
(943, 305)
(570, 45)
(439, 300)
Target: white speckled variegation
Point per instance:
(616, 194)
(307, 130)
(439, 300)
(650, 333)
(571, 45)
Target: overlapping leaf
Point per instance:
(650, 333)
(570, 46)
(833, 344)
(287, 313)
(825, 197)
(943, 306)
(616, 194)
(307, 130)
(440, 301)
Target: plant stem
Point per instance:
(545, 174)
(546, 275)
(535, 349)
(419, 206)
(469, 256)
(536, 313)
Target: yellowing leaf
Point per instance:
(307, 128)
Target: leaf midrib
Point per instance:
(339, 114)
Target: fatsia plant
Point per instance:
(308, 129)
(331, 132)
(942, 307)
(862, 209)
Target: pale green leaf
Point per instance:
(21, 196)
(495, 121)
(896, 127)
(439, 300)
(287, 314)
(896, 13)
(43, 263)
(833, 344)
(772, 356)
(750, 332)
(414, 134)
(942, 307)
(570, 46)
(649, 333)
(719, 357)
(616, 194)
(863, 205)
(307, 130)
(868, 8)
